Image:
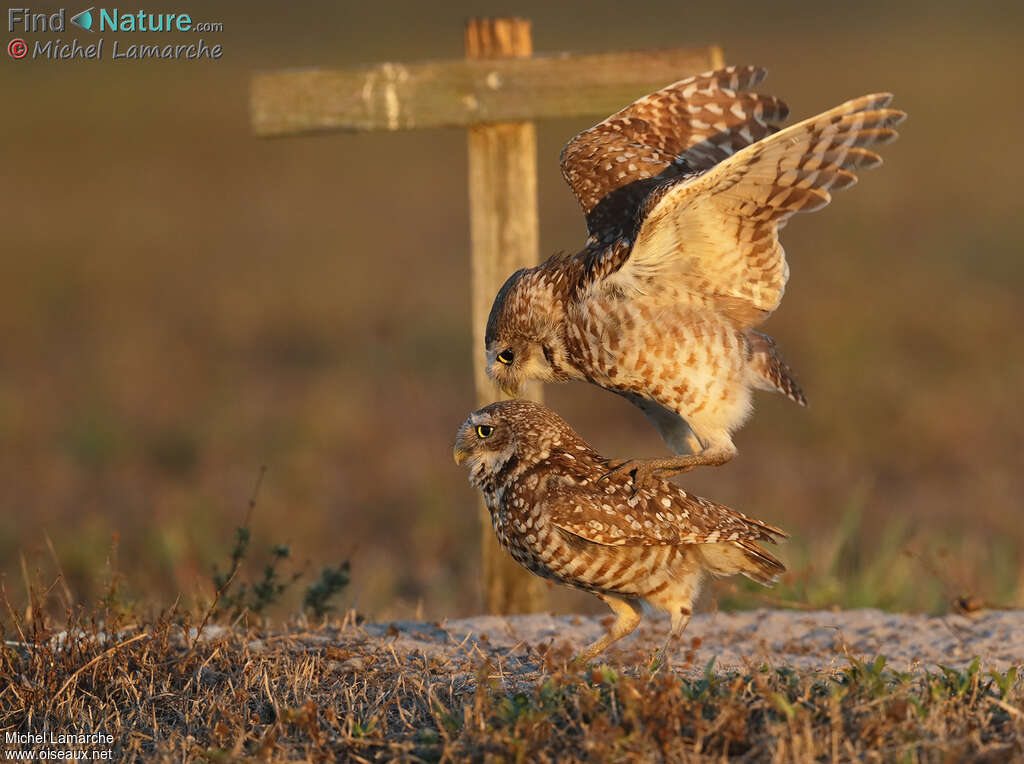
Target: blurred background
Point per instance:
(182, 303)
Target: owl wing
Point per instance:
(653, 517)
(686, 127)
(717, 234)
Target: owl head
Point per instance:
(523, 338)
(509, 436)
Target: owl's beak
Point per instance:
(459, 454)
(505, 385)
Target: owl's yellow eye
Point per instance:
(484, 430)
(506, 357)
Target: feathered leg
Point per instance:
(627, 618)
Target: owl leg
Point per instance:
(627, 618)
(644, 470)
(680, 619)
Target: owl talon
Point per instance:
(631, 467)
(614, 468)
(641, 472)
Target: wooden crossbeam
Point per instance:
(461, 93)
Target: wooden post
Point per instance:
(504, 237)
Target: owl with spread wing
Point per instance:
(684, 192)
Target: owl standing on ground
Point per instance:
(627, 544)
(684, 192)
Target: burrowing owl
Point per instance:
(626, 544)
(684, 193)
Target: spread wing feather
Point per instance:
(686, 127)
(717, 234)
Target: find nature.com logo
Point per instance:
(114, 20)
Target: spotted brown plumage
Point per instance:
(628, 544)
(684, 193)
(685, 128)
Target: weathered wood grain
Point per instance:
(394, 96)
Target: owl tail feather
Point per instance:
(772, 373)
(744, 557)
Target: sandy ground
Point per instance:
(809, 640)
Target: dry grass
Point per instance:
(328, 692)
